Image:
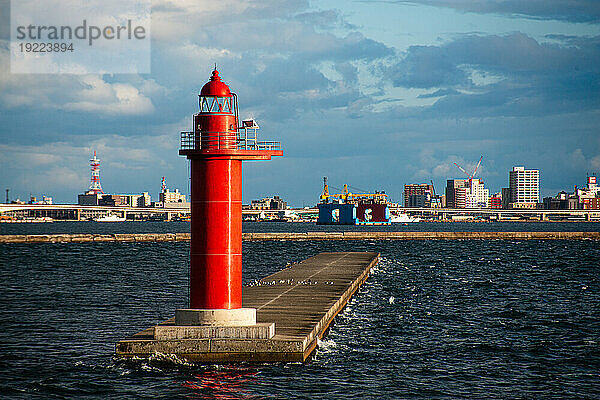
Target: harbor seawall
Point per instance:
(259, 236)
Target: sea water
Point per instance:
(436, 319)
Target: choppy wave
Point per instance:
(491, 319)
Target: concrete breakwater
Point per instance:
(301, 301)
(258, 236)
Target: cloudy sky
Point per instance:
(375, 94)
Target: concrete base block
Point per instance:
(215, 318)
(172, 332)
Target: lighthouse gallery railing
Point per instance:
(225, 140)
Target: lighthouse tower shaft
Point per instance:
(216, 148)
(216, 226)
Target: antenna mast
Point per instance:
(95, 186)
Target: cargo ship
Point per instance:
(347, 208)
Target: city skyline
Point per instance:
(95, 182)
(373, 94)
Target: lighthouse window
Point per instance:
(215, 104)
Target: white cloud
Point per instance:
(84, 93)
(577, 157)
(150, 88)
(113, 99)
(197, 52)
(578, 160)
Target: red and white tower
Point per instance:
(95, 186)
(216, 148)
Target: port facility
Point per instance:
(74, 212)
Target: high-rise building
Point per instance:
(456, 193)
(466, 193)
(524, 185)
(418, 195)
(505, 196)
(460, 197)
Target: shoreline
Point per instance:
(304, 236)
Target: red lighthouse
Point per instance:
(216, 148)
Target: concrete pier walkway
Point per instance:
(380, 235)
(301, 300)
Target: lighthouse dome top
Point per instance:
(215, 87)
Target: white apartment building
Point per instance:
(477, 195)
(524, 186)
(591, 190)
(166, 196)
(467, 193)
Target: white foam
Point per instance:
(326, 345)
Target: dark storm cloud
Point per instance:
(562, 10)
(290, 75)
(511, 55)
(426, 67)
(517, 75)
(291, 84)
(356, 47)
(521, 53)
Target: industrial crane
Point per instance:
(471, 176)
(435, 201)
(325, 194)
(347, 197)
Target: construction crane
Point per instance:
(472, 175)
(347, 197)
(436, 202)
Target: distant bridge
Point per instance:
(499, 214)
(79, 212)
